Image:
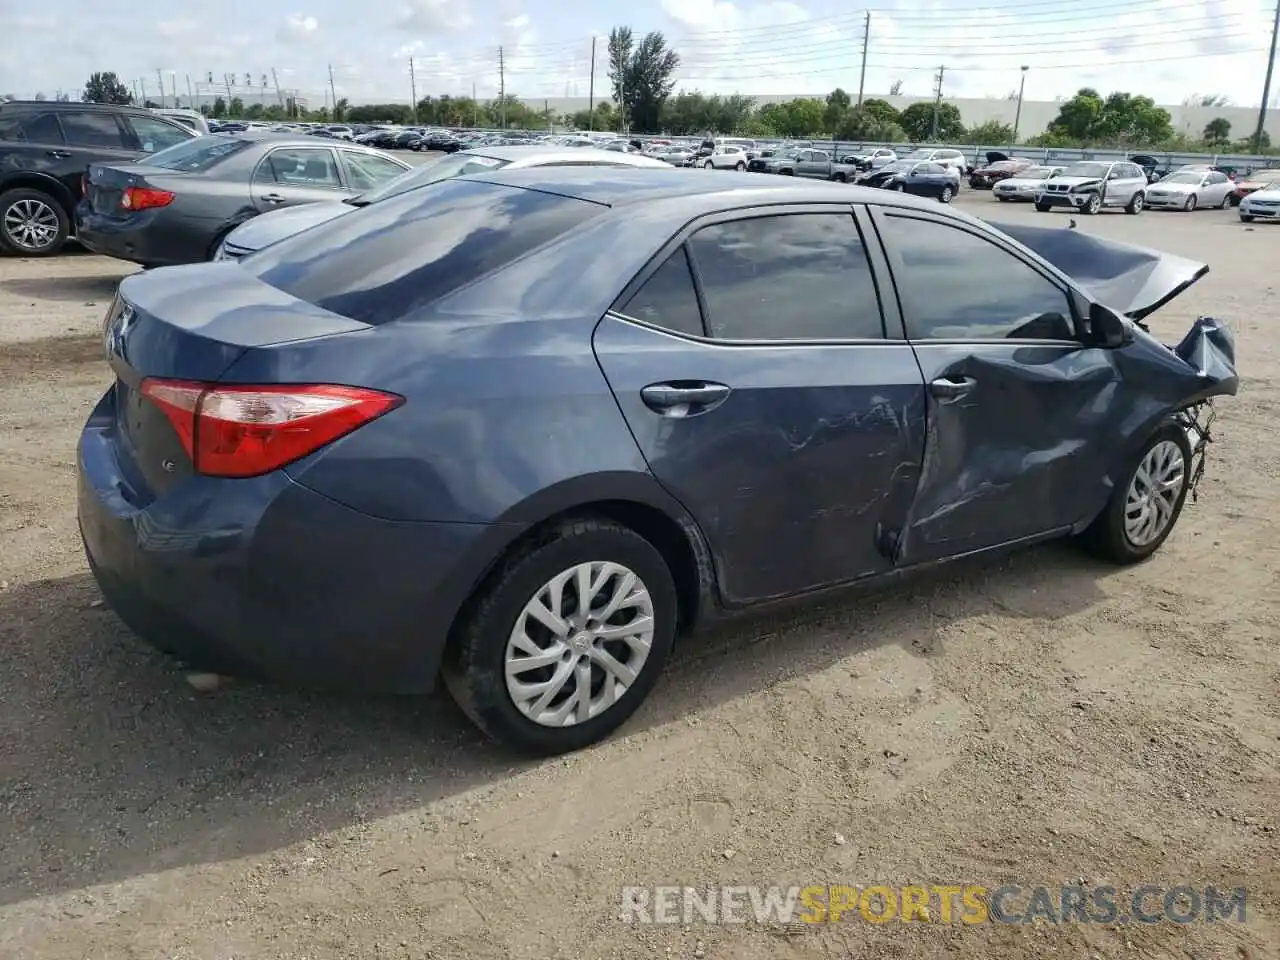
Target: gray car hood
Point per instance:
(267, 228)
(1132, 280)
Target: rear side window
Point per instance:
(668, 298)
(32, 127)
(389, 259)
(155, 134)
(787, 277)
(92, 129)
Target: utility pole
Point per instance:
(191, 93)
(866, 41)
(502, 88)
(333, 93)
(1266, 84)
(1017, 115)
(413, 91)
(276, 80)
(937, 105)
(142, 83)
(173, 85)
(591, 90)
(226, 79)
(160, 78)
(475, 108)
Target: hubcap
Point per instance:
(31, 224)
(579, 644)
(1153, 493)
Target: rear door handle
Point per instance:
(684, 398)
(273, 198)
(59, 154)
(951, 388)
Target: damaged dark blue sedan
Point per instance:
(521, 429)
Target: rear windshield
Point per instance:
(387, 260)
(200, 153)
(450, 165)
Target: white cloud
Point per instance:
(297, 28)
(434, 16)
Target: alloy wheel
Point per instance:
(579, 644)
(31, 224)
(1153, 493)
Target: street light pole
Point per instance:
(1017, 116)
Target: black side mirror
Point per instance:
(1108, 328)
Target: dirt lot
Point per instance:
(1042, 719)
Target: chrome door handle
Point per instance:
(951, 388)
(273, 198)
(682, 398)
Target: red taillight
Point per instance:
(145, 198)
(246, 431)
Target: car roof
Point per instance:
(278, 138)
(621, 187)
(542, 154)
(73, 105)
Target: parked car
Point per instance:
(813, 164)
(1252, 182)
(188, 118)
(530, 459)
(925, 179)
(952, 159)
(178, 205)
(999, 167)
(270, 227)
(1263, 204)
(1093, 185)
(44, 149)
(722, 158)
(1189, 189)
(874, 160)
(1025, 184)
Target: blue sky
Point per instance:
(1170, 50)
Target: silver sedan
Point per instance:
(1189, 189)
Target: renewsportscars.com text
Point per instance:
(938, 903)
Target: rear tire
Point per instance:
(1135, 205)
(32, 223)
(1190, 205)
(946, 195)
(1119, 534)
(741, 167)
(499, 627)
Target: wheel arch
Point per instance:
(33, 180)
(634, 500)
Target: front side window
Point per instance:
(156, 135)
(42, 128)
(668, 298)
(787, 277)
(955, 285)
(91, 129)
(366, 170)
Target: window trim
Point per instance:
(889, 319)
(1075, 298)
(333, 154)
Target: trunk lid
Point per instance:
(191, 323)
(105, 183)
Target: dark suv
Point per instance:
(44, 150)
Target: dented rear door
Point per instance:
(1020, 414)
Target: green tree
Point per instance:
(235, 108)
(918, 122)
(804, 117)
(1217, 131)
(881, 110)
(105, 87)
(838, 104)
(1134, 121)
(219, 107)
(993, 133)
(1079, 118)
(605, 118)
(642, 75)
(694, 113)
(339, 109)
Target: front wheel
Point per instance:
(946, 194)
(1146, 504)
(1042, 207)
(1192, 201)
(566, 639)
(1246, 218)
(741, 167)
(1094, 205)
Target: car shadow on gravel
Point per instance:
(99, 287)
(113, 767)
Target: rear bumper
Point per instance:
(265, 578)
(157, 238)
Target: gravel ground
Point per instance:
(1040, 719)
